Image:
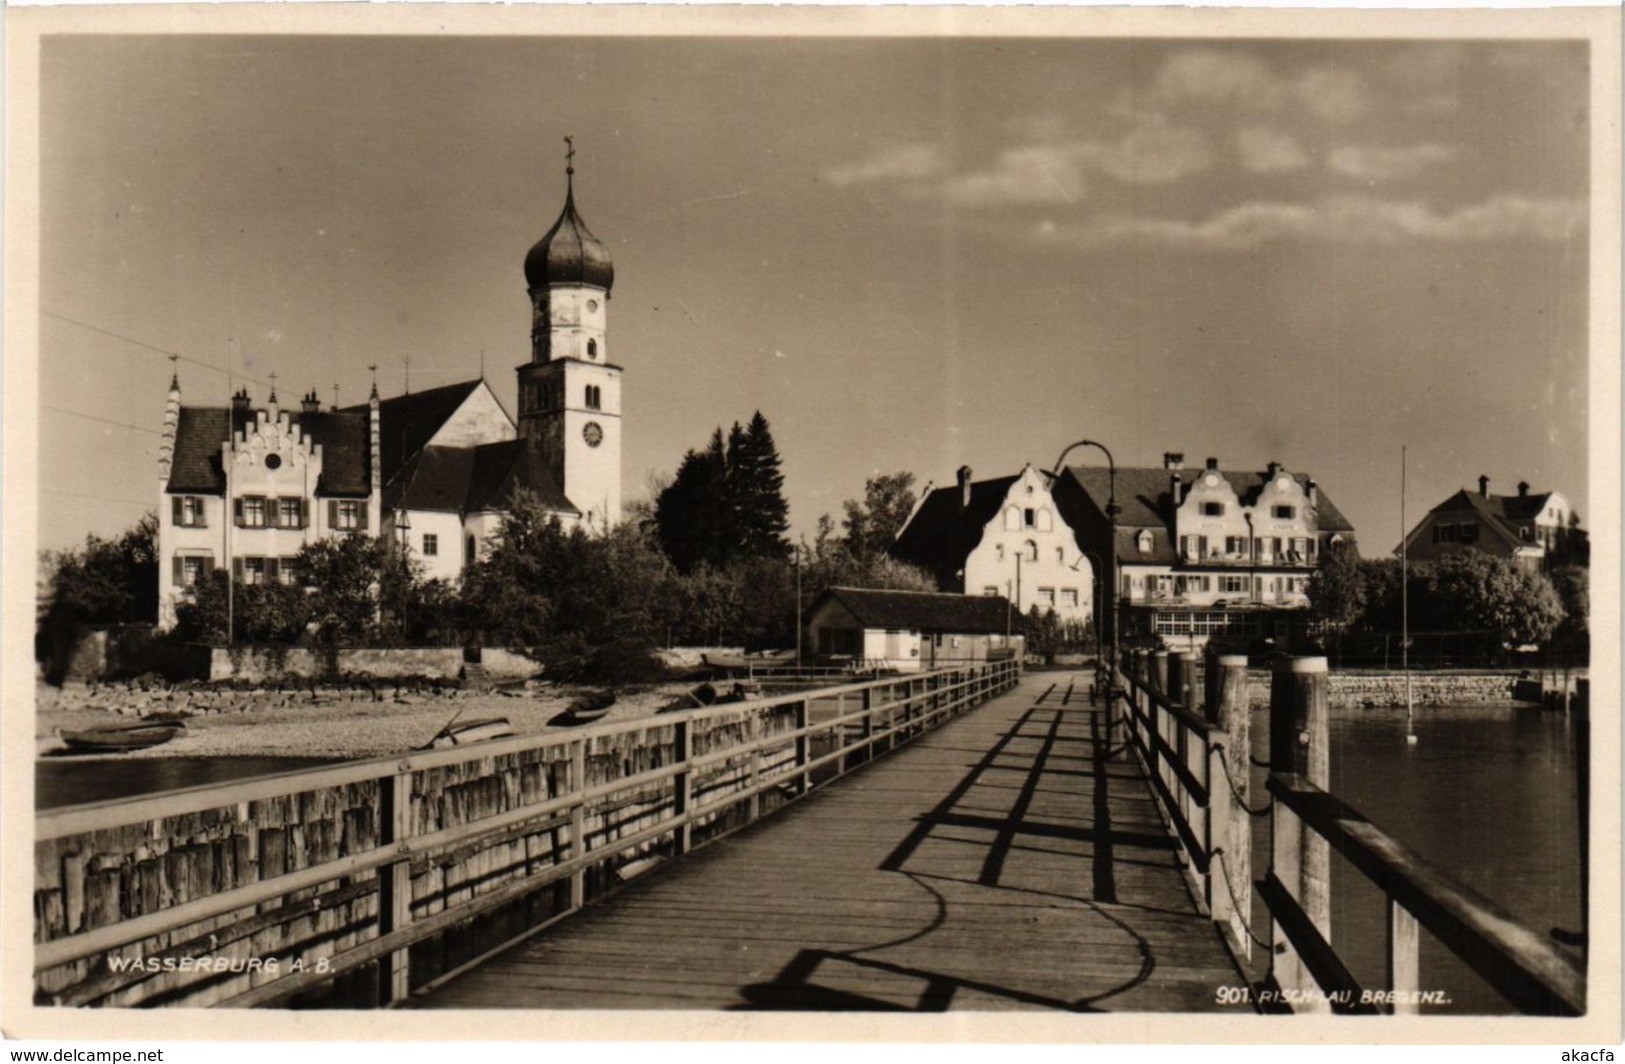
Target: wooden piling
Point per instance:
(1300, 745)
(1159, 671)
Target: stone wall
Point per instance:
(257, 663)
(1355, 690)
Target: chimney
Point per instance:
(1274, 469)
(310, 404)
(239, 402)
(1523, 489)
(1213, 463)
(1309, 488)
(1176, 488)
(1484, 487)
(1173, 460)
(964, 487)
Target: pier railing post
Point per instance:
(682, 839)
(1299, 744)
(395, 898)
(1232, 830)
(578, 821)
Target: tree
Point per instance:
(1477, 591)
(761, 515)
(872, 525)
(725, 502)
(1044, 633)
(1573, 586)
(346, 573)
(101, 583)
(1337, 590)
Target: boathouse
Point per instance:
(911, 631)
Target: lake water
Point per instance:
(1487, 794)
(60, 781)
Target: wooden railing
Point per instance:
(1307, 824)
(340, 884)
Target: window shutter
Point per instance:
(361, 516)
(236, 570)
(271, 568)
(332, 514)
(237, 511)
(175, 509)
(304, 513)
(179, 576)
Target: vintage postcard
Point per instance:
(859, 524)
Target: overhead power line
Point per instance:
(103, 420)
(152, 347)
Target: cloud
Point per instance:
(1269, 151)
(1343, 220)
(1151, 155)
(1374, 163)
(1240, 81)
(902, 162)
(1042, 174)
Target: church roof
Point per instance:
(569, 253)
(407, 423)
(925, 611)
(196, 468)
(942, 534)
(472, 479)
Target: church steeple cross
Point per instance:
(273, 386)
(569, 155)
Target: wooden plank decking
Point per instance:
(1012, 859)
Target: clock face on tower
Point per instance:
(592, 433)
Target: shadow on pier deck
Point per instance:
(1012, 859)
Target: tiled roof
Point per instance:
(407, 423)
(1146, 503)
(196, 467)
(472, 479)
(1490, 513)
(925, 611)
(1504, 507)
(942, 533)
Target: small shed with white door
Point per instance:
(910, 631)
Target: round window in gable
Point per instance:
(273, 461)
(592, 306)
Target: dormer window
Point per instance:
(1143, 541)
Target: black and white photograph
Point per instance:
(581, 522)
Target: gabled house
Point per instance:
(244, 488)
(1004, 536)
(1538, 530)
(1204, 553)
(911, 631)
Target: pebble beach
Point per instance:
(336, 723)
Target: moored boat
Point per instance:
(590, 706)
(120, 738)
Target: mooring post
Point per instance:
(1299, 745)
(1212, 679)
(1232, 830)
(1181, 678)
(1159, 671)
(753, 734)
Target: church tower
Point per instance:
(570, 391)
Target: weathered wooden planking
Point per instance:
(1003, 861)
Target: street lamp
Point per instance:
(1112, 510)
(1100, 586)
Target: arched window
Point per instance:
(1029, 550)
(593, 397)
(1012, 518)
(592, 348)
(1144, 542)
(1044, 521)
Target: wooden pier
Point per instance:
(1012, 859)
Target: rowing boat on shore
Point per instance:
(121, 738)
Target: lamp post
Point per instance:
(1112, 510)
(1100, 583)
(403, 524)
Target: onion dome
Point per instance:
(569, 254)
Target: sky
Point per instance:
(908, 254)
